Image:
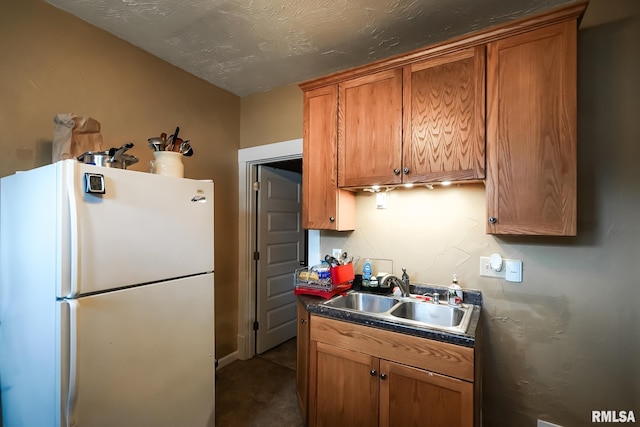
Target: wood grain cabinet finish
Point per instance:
(370, 130)
(324, 205)
(423, 122)
(370, 377)
(444, 118)
(498, 105)
(344, 389)
(411, 396)
(302, 359)
(531, 132)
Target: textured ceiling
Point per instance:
(249, 46)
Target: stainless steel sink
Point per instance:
(406, 311)
(433, 314)
(359, 301)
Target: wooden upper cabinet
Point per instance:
(531, 132)
(423, 122)
(370, 130)
(498, 105)
(324, 205)
(444, 116)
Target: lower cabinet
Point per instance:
(411, 396)
(343, 388)
(302, 365)
(363, 376)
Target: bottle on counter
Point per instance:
(367, 270)
(455, 293)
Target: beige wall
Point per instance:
(270, 117)
(54, 63)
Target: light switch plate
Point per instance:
(513, 270)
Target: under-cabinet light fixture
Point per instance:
(430, 186)
(373, 189)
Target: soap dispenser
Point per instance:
(455, 293)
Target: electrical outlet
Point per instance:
(487, 271)
(381, 200)
(511, 269)
(336, 253)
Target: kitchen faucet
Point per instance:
(406, 288)
(402, 284)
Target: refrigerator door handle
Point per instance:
(73, 358)
(74, 233)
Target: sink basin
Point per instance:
(405, 311)
(433, 314)
(358, 301)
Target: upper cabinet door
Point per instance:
(531, 132)
(444, 115)
(324, 206)
(370, 130)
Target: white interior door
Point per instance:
(281, 245)
(144, 356)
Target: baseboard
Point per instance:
(227, 359)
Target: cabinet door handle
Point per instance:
(302, 320)
(383, 376)
(332, 219)
(396, 171)
(373, 372)
(493, 219)
(406, 171)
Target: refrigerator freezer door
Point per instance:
(28, 267)
(144, 228)
(143, 356)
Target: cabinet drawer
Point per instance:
(443, 358)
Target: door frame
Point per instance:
(247, 159)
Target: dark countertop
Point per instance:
(468, 339)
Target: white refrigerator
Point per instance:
(106, 298)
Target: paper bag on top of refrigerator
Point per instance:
(74, 135)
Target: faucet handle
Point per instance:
(436, 297)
